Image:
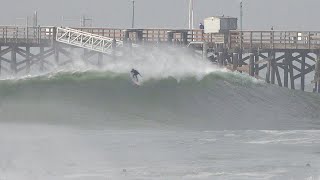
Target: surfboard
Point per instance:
(135, 82)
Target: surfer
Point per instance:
(135, 74)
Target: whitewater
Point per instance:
(188, 120)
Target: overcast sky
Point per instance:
(258, 14)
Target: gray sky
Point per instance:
(258, 14)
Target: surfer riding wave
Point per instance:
(135, 74)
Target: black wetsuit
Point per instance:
(135, 74)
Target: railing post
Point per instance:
(297, 40)
(54, 35)
(39, 34)
(317, 74)
(261, 40)
(251, 39)
(16, 35)
(6, 35)
(309, 40)
(285, 39)
(272, 39)
(241, 39)
(27, 34)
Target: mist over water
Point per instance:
(188, 120)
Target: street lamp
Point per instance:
(190, 14)
(133, 14)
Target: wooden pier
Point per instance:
(278, 57)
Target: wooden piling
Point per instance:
(41, 59)
(169, 36)
(204, 51)
(28, 62)
(251, 65)
(0, 61)
(235, 59)
(56, 55)
(100, 59)
(184, 36)
(272, 66)
(317, 73)
(303, 68)
(290, 62)
(286, 69)
(256, 66)
(268, 71)
(220, 59)
(13, 64)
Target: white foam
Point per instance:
(153, 63)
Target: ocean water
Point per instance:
(188, 120)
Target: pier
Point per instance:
(278, 57)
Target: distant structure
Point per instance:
(220, 24)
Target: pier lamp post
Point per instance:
(133, 1)
(190, 14)
(241, 14)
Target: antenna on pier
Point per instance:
(190, 14)
(133, 8)
(241, 14)
(35, 19)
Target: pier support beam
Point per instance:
(272, 66)
(184, 36)
(286, 69)
(100, 60)
(220, 59)
(256, 66)
(303, 68)
(0, 61)
(56, 55)
(28, 61)
(235, 61)
(170, 36)
(317, 74)
(290, 62)
(41, 59)
(126, 36)
(13, 64)
(204, 51)
(268, 71)
(251, 65)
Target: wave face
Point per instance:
(188, 120)
(216, 100)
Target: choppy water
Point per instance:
(193, 123)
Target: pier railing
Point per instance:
(157, 35)
(26, 35)
(36, 36)
(274, 40)
(46, 35)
